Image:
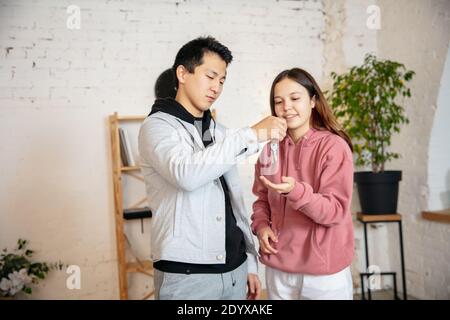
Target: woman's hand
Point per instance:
(264, 235)
(254, 287)
(285, 187)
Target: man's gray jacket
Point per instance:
(184, 191)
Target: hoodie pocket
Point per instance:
(178, 215)
(316, 244)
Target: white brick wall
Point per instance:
(439, 151)
(422, 48)
(438, 284)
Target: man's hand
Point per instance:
(285, 187)
(270, 128)
(253, 287)
(264, 235)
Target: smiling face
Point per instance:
(198, 90)
(292, 102)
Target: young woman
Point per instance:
(304, 187)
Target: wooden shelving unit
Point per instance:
(130, 168)
(378, 217)
(125, 267)
(366, 219)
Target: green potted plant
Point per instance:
(368, 102)
(18, 272)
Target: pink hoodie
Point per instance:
(313, 221)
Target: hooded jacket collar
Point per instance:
(176, 109)
(307, 137)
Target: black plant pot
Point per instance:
(378, 192)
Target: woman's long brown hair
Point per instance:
(322, 116)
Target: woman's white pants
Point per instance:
(296, 286)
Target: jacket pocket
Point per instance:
(178, 215)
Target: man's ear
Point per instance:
(181, 74)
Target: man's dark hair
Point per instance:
(191, 54)
(165, 85)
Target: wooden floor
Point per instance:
(376, 295)
(383, 295)
(263, 295)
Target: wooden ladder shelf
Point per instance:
(146, 266)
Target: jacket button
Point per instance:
(219, 257)
(218, 218)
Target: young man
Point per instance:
(202, 245)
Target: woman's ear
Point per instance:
(181, 74)
(313, 102)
